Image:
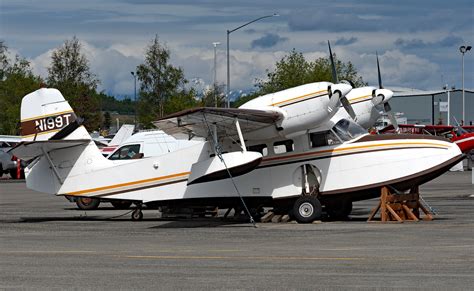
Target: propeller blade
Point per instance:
(391, 116)
(348, 107)
(378, 71)
(333, 66)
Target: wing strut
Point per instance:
(241, 137)
(217, 149)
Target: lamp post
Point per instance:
(215, 44)
(463, 49)
(135, 96)
(228, 57)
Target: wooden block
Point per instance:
(285, 218)
(276, 218)
(267, 217)
(394, 214)
(409, 213)
(373, 212)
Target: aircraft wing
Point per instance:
(10, 138)
(30, 149)
(200, 121)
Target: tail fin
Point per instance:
(51, 132)
(46, 115)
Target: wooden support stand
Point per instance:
(400, 207)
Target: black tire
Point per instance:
(338, 208)
(307, 209)
(137, 215)
(87, 203)
(121, 204)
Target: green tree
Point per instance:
(70, 73)
(213, 97)
(159, 82)
(17, 80)
(107, 120)
(180, 101)
(3, 59)
(294, 70)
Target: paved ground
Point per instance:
(46, 243)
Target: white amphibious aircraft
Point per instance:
(281, 150)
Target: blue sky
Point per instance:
(417, 41)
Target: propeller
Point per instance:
(380, 95)
(337, 95)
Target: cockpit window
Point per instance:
(348, 130)
(126, 152)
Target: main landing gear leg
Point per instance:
(137, 214)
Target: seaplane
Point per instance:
(282, 150)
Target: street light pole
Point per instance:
(135, 97)
(215, 44)
(463, 49)
(228, 56)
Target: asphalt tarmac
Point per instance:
(45, 243)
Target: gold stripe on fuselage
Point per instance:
(297, 98)
(78, 193)
(356, 99)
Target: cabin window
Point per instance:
(261, 148)
(284, 146)
(321, 139)
(126, 152)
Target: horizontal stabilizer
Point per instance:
(31, 149)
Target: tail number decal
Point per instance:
(53, 122)
(45, 124)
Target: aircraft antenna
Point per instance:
(218, 151)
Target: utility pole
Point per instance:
(215, 44)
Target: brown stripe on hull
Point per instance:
(379, 137)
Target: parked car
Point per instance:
(9, 163)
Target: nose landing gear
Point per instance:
(137, 214)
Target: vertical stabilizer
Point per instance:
(45, 114)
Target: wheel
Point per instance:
(306, 209)
(137, 214)
(87, 203)
(338, 208)
(121, 204)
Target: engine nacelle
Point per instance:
(303, 107)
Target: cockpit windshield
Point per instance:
(347, 129)
(460, 131)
